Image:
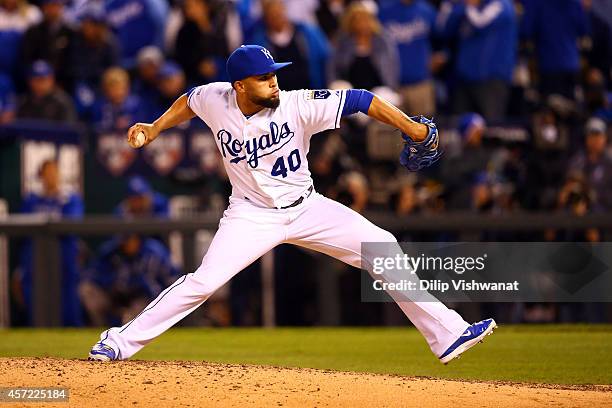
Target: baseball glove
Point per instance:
(418, 155)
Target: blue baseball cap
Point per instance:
(40, 69)
(249, 60)
(137, 185)
(468, 121)
(169, 69)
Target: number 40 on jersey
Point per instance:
(293, 163)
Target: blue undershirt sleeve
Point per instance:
(357, 100)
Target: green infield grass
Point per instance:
(562, 354)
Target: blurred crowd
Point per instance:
(479, 66)
(542, 64)
(111, 285)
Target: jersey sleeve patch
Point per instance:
(317, 94)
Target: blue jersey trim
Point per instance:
(189, 92)
(357, 100)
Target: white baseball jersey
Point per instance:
(265, 154)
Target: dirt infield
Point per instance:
(200, 384)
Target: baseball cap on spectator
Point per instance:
(249, 60)
(150, 55)
(138, 186)
(595, 126)
(40, 69)
(169, 69)
(468, 121)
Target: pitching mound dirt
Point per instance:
(200, 384)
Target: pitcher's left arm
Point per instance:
(420, 134)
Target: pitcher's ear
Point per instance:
(239, 86)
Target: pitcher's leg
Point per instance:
(237, 243)
(330, 227)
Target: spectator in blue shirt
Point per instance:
(128, 272)
(596, 96)
(137, 24)
(145, 81)
(411, 24)
(303, 44)
(118, 108)
(171, 85)
(486, 53)
(7, 99)
(55, 202)
(605, 111)
(595, 163)
(554, 27)
(142, 201)
(45, 100)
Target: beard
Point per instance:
(272, 102)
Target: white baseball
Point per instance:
(140, 139)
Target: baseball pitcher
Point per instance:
(264, 134)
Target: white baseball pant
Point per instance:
(246, 232)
